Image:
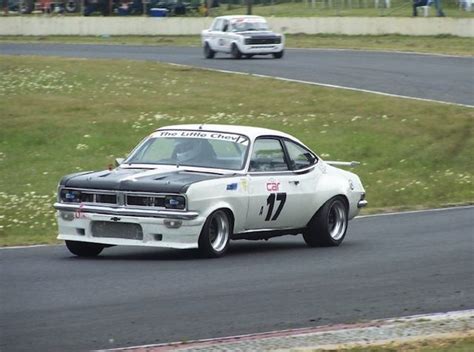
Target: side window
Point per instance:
(217, 25)
(300, 157)
(225, 27)
(267, 155)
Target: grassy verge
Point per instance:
(398, 8)
(441, 44)
(59, 116)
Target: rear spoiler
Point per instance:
(343, 163)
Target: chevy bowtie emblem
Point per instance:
(115, 219)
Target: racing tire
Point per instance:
(72, 6)
(208, 52)
(84, 249)
(278, 55)
(215, 235)
(27, 7)
(235, 52)
(328, 226)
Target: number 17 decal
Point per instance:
(281, 197)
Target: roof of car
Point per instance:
(251, 132)
(249, 17)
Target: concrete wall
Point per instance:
(56, 25)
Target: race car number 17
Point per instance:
(281, 198)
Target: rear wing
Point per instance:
(343, 163)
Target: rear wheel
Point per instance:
(84, 249)
(215, 235)
(208, 52)
(235, 52)
(278, 55)
(329, 225)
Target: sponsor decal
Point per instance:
(230, 137)
(273, 186)
(232, 187)
(244, 184)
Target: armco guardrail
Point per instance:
(463, 27)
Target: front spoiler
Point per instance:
(123, 211)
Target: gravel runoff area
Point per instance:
(376, 332)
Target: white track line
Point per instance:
(326, 85)
(383, 52)
(358, 217)
(408, 212)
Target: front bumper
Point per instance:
(169, 229)
(256, 49)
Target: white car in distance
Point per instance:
(242, 36)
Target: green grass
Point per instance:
(441, 44)
(59, 116)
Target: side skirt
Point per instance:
(265, 234)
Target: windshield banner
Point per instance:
(229, 137)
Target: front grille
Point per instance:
(145, 201)
(94, 197)
(106, 229)
(106, 198)
(263, 40)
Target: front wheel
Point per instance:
(278, 55)
(208, 52)
(235, 52)
(329, 225)
(84, 249)
(215, 235)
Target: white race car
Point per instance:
(199, 186)
(241, 36)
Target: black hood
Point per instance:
(122, 179)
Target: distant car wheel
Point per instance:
(84, 249)
(27, 6)
(235, 52)
(208, 52)
(72, 6)
(278, 55)
(329, 225)
(215, 235)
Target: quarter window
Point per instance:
(217, 25)
(268, 155)
(300, 157)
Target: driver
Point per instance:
(193, 150)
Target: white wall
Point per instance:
(56, 25)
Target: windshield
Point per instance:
(243, 26)
(193, 148)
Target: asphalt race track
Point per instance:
(388, 266)
(441, 78)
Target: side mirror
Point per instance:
(119, 161)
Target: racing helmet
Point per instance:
(187, 149)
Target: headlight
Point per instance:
(247, 40)
(175, 202)
(70, 196)
(278, 40)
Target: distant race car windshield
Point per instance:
(243, 26)
(193, 148)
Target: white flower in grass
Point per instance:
(87, 136)
(81, 146)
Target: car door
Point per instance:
(215, 34)
(277, 194)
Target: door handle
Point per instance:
(295, 182)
